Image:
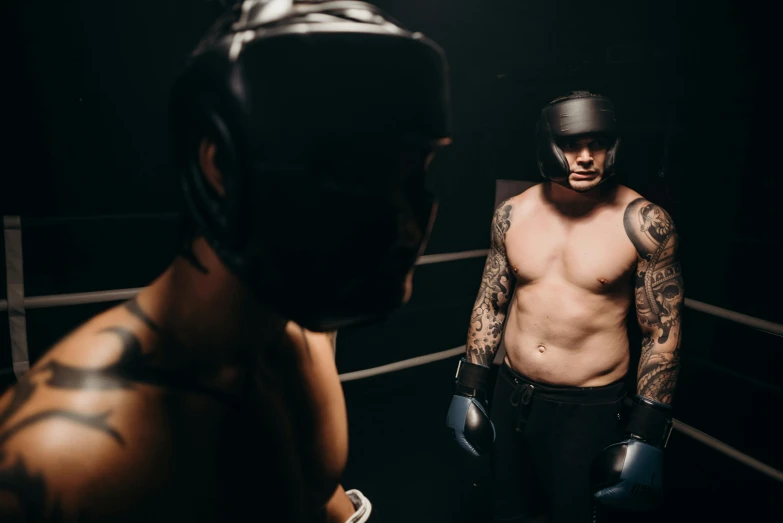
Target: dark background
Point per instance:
(85, 137)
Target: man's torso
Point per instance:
(574, 275)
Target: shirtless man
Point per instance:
(213, 396)
(578, 251)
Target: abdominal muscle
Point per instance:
(559, 334)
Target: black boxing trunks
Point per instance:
(546, 439)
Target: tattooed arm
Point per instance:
(659, 297)
(489, 311)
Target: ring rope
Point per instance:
(400, 365)
(678, 425)
(727, 450)
(81, 298)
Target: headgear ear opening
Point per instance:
(211, 213)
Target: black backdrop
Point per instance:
(85, 135)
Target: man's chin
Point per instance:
(582, 185)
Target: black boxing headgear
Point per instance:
(581, 113)
(283, 88)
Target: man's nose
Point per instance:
(584, 155)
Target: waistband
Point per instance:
(605, 393)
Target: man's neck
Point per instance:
(573, 203)
(214, 318)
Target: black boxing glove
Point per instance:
(629, 474)
(468, 416)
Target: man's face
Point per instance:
(416, 210)
(586, 158)
(393, 207)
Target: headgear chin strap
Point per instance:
(579, 114)
(287, 90)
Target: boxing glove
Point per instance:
(361, 504)
(629, 474)
(468, 416)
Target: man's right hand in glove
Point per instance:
(468, 416)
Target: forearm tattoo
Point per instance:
(659, 297)
(28, 488)
(489, 311)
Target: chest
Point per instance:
(593, 253)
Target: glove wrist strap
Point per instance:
(472, 375)
(362, 506)
(650, 421)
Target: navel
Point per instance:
(541, 348)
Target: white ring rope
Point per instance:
(731, 452)
(677, 425)
(400, 365)
(451, 256)
(81, 298)
(743, 319)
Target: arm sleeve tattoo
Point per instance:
(489, 311)
(659, 297)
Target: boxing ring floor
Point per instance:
(721, 464)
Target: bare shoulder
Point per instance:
(531, 196)
(57, 459)
(304, 355)
(649, 227)
(626, 198)
(520, 205)
(305, 342)
(626, 194)
(75, 428)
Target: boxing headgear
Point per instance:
(284, 89)
(576, 115)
